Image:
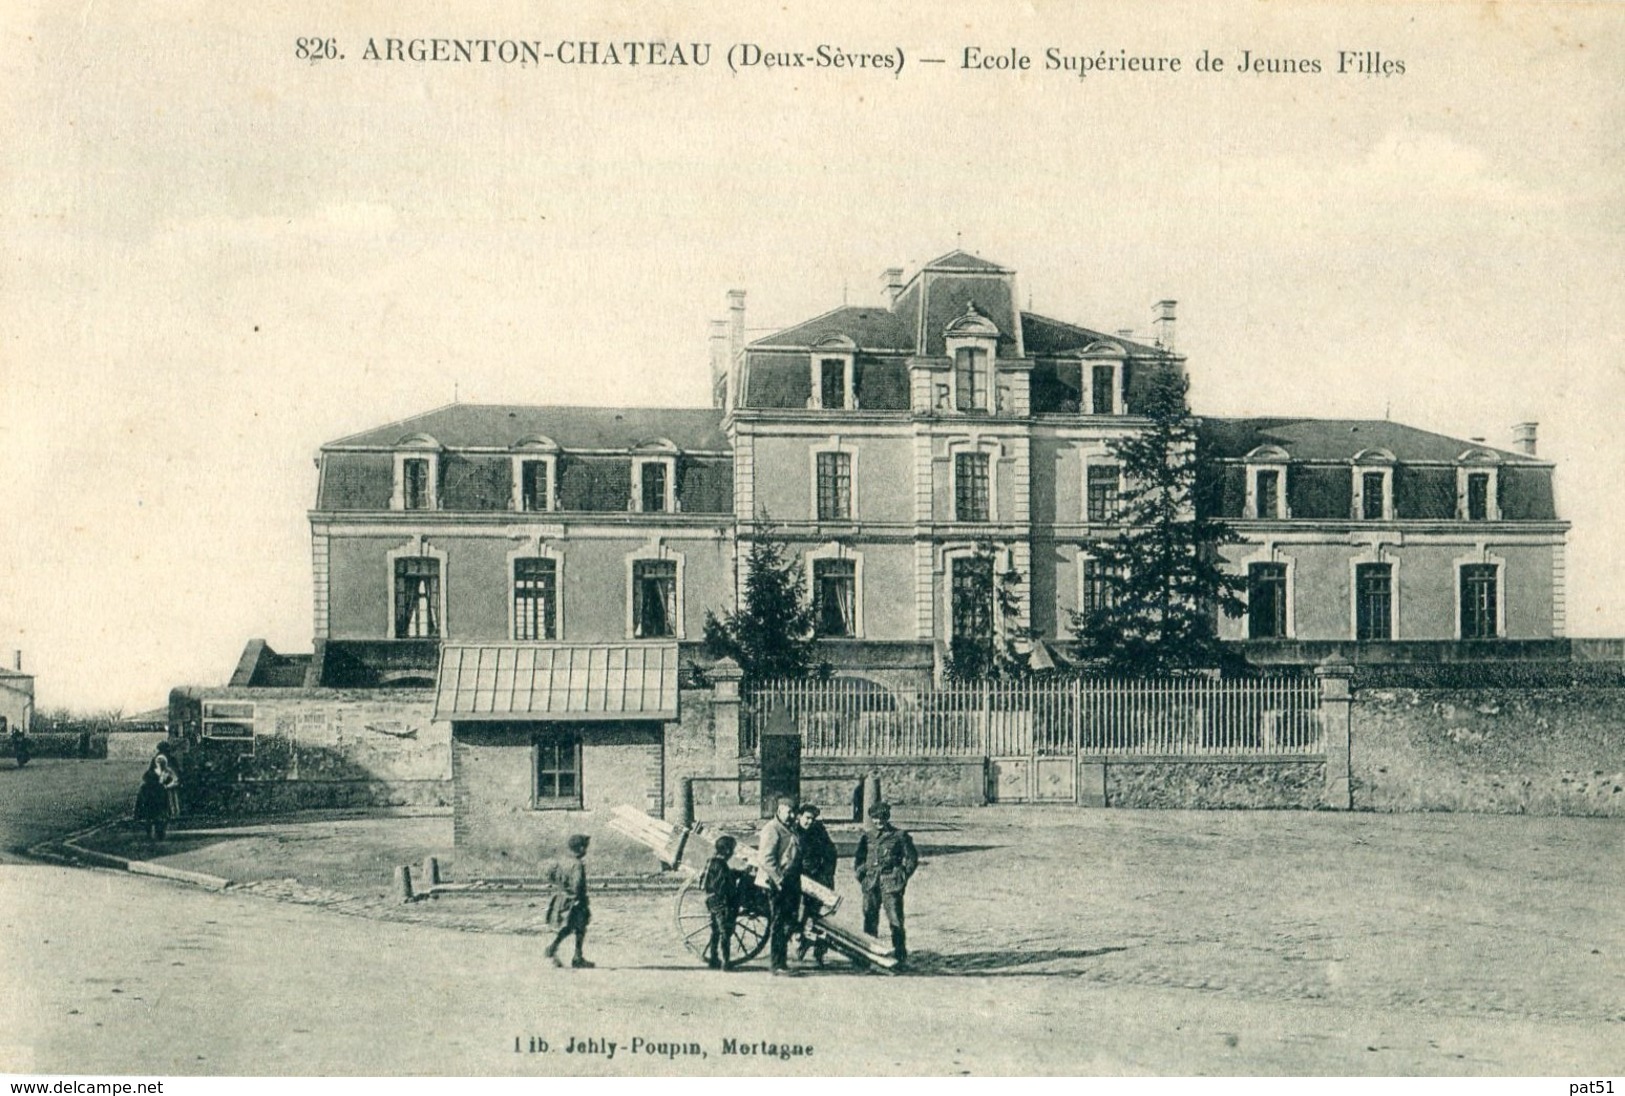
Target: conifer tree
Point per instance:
(1162, 583)
(771, 636)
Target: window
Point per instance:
(971, 487)
(1098, 592)
(1267, 492)
(1373, 601)
(834, 486)
(228, 719)
(973, 383)
(653, 480)
(1103, 389)
(558, 770)
(417, 597)
(535, 485)
(1479, 601)
(832, 383)
(535, 599)
(1103, 491)
(1266, 601)
(1478, 496)
(971, 579)
(416, 485)
(1373, 496)
(835, 590)
(654, 598)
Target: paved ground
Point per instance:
(1048, 941)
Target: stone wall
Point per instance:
(1516, 751)
(315, 748)
(1201, 784)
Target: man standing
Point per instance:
(884, 861)
(779, 852)
(818, 858)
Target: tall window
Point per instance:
(832, 383)
(1102, 492)
(533, 485)
(835, 596)
(1266, 600)
(1373, 504)
(972, 583)
(1478, 496)
(1479, 601)
(654, 598)
(1373, 600)
(535, 599)
(654, 486)
(834, 486)
(415, 492)
(1103, 389)
(1267, 491)
(971, 487)
(973, 382)
(417, 597)
(1097, 588)
(558, 770)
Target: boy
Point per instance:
(567, 910)
(721, 886)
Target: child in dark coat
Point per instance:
(152, 804)
(721, 886)
(568, 912)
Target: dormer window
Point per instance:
(1266, 484)
(417, 475)
(833, 380)
(1103, 389)
(535, 477)
(1476, 487)
(971, 342)
(1373, 485)
(654, 487)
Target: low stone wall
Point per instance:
(1188, 783)
(1505, 751)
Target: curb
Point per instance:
(68, 850)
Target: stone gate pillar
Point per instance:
(730, 743)
(1336, 677)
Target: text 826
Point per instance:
(316, 49)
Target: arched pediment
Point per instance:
(1476, 455)
(1375, 456)
(417, 441)
(971, 325)
(1268, 454)
(1104, 348)
(537, 443)
(655, 445)
(835, 344)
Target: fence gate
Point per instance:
(1032, 756)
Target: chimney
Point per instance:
(1163, 324)
(1524, 436)
(736, 323)
(893, 281)
(719, 363)
(17, 659)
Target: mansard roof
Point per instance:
(1046, 338)
(965, 261)
(504, 426)
(1341, 440)
(873, 328)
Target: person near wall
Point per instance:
(884, 862)
(152, 804)
(568, 911)
(170, 776)
(19, 742)
(818, 860)
(720, 883)
(779, 870)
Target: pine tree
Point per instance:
(771, 636)
(1161, 576)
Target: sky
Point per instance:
(216, 255)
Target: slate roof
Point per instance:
(964, 260)
(469, 425)
(1340, 439)
(872, 328)
(1043, 337)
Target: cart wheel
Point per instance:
(751, 928)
